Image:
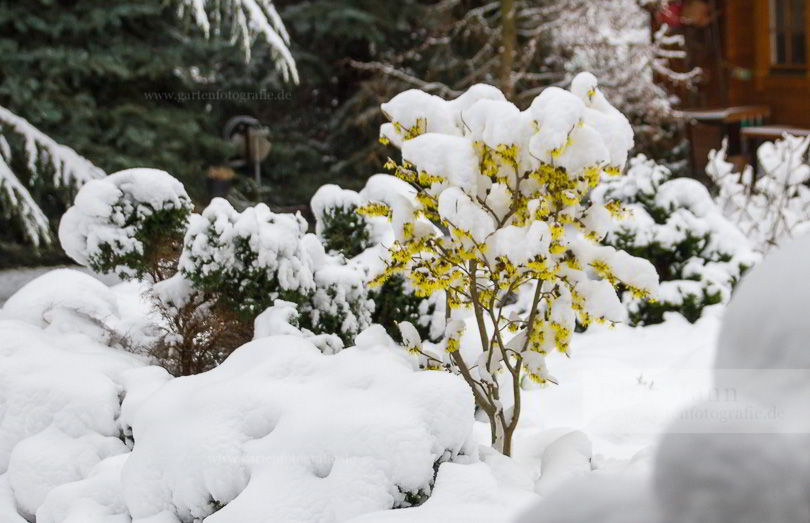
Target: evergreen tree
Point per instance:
(118, 82)
(324, 130)
(100, 76)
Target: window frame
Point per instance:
(787, 29)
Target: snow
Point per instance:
(458, 209)
(331, 196)
(8, 508)
(52, 458)
(60, 299)
(69, 169)
(450, 157)
(281, 431)
(463, 493)
(566, 457)
(770, 206)
(763, 351)
(94, 499)
(12, 280)
(714, 470)
(251, 434)
(602, 497)
(248, 20)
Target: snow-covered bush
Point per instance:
(343, 231)
(772, 205)
(248, 260)
(60, 386)
(340, 228)
(674, 223)
(500, 205)
(129, 223)
(211, 274)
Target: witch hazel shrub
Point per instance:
(500, 207)
(675, 224)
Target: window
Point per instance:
(788, 34)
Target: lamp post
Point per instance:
(251, 139)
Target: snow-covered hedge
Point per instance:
(675, 224)
(128, 223)
(772, 205)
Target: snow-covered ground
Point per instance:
(12, 280)
(282, 432)
(69, 412)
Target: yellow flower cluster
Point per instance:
(453, 344)
(374, 209)
(456, 264)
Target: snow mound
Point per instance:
(464, 493)
(712, 470)
(765, 325)
(281, 432)
(61, 300)
(597, 497)
(95, 499)
(59, 407)
(763, 350)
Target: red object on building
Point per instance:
(670, 14)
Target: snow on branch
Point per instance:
(247, 20)
(772, 204)
(44, 157)
(16, 200)
(69, 168)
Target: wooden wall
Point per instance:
(747, 46)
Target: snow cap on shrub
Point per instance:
(120, 222)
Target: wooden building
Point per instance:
(756, 81)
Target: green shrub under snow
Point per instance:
(129, 223)
(359, 239)
(249, 260)
(212, 274)
(675, 224)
